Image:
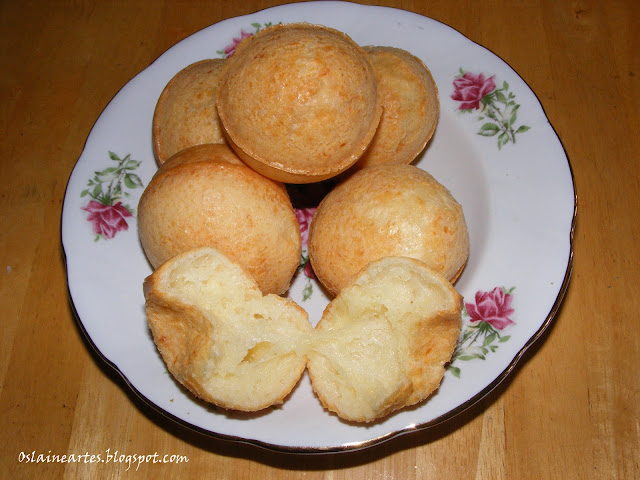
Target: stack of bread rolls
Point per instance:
(302, 104)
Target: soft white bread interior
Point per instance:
(382, 344)
(220, 337)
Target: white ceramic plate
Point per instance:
(508, 170)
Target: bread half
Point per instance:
(220, 337)
(382, 344)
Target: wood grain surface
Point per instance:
(569, 411)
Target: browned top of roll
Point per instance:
(186, 112)
(206, 200)
(299, 102)
(387, 210)
(410, 104)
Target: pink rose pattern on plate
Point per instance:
(107, 220)
(107, 188)
(230, 48)
(486, 319)
(304, 216)
(497, 106)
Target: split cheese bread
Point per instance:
(381, 345)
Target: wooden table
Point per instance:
(571, 408)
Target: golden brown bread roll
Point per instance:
(382, 344)
(186, 112)
(299, 102)
(387, 210)
(220, 337)
(411, 107)
(205, 200)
